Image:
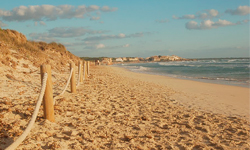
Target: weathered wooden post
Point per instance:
(73, 79)
(81, 75)
(85, 70)
(88, 68)
(48, 106)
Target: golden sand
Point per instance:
(118, 109)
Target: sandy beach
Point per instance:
(118, 109)
(215, 98)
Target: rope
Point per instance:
(79, 75)
(33, 118)
(38, 104)
(71, 72)
(67, 84)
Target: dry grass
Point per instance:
(6, 61)
(5, 51)
(39, 53)
(18, 41)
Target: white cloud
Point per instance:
(50, 12)
(139, 34)
(208, 24)
(99, 46)
(66, 32)
(213, 12)
(42, 23)
(175, 17)
(222, 23)
(94, 18)
(91, 45)
(246, 20)
(3, 24)
(93, 42)
(191, 25)
(93, 8)
(119, 36)
(118, 46)
(208, 14)
(241, 10)
(104, 37)
(4, 13)
(102, 46)
(188, 16)
(184, 17)
(63, 32)
(42, 37)
(203, 16)
(107, 9)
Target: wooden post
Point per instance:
(48, 106)
(81, 75)
(83, 67)
(85, 70)
(80, 70)
(73, 78)
(88, 68)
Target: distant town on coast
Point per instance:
(115, 60)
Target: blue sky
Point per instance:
(119, 28)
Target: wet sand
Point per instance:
(215, 98)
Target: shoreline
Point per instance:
(201, 79)
(233, 100)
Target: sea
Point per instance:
(229, 71)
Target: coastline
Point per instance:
(222, 99)
(139, 67)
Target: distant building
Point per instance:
(174, 58)
(119, 59)
(154, 58)
(141, 59)
(133, 59)
(147, 59)
(107, 61)
(124, 58)
(164, 58)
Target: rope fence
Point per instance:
(33, 118)
(68, 81)
(67, 84)
(46, 94)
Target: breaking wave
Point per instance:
(216, 70)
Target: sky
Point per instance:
(134, 28)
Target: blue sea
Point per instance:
(230, 71)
